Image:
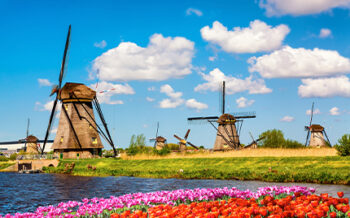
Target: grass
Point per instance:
(4, 165)
(261, 152)
(313, 169)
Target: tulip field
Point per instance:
(295, 201)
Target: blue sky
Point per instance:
(165, 58)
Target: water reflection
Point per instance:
(26, 192)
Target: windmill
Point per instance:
(183, 142)
(315, 133)
(254, 143)
(78, 134)
(159, 141)
(227, 136)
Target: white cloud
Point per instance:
(324, 33)
(325, 87)
(44, 82)
(106, 90)
(171, 103)
(300, 7)
(191, 11)
(162, 59)
(53, 130)
(233, 85)
(175, 99)
(257, 37)
(150, 99)
(101, 44)
(299, 62)
(242, 102)
(169, 91)
(287, 119)
(334, 111)
(194, 104)
(316, 111)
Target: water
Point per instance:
(25, 192)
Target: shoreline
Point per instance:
(320, 170)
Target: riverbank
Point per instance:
(6, 164)
(324, 170)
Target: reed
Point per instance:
(260, 152)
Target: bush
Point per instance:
(275, 139)
(3, 158)
(13, 156)
(173, 146)
(343, 146)
(162, 152)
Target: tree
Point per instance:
(272, 139)
(343, 146)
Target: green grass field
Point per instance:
(4, 165)
(331, 170)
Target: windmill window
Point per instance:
(94, 140)
(61, 139)
(66, 106)
(90, 127)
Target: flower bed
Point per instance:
(274, 201)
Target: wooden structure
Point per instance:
(183, 141)
(159, 141)
(316, 134)
(32, 145)
(78, 134)
(229, 126)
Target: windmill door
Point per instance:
(24, 166)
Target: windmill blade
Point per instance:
(312, 113)
(186, 135)
(52, 115)
(192, 145)
(259, 139)
(157, 129)
(222, 98)
(307, 137)
(180, 139)
(63, 66)
(251, 136)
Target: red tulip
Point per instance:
(340, 194)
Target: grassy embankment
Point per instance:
(5, 164)
(314, 169)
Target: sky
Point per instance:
(163, 61)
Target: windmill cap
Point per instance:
(226, 118)
(316, 128)
(32, 138)
(80, 91)
(160, 139)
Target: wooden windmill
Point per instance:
(316, 133)
(159, 141)
(254, 143)
(183, 142)
(78, 134)
(229, 126)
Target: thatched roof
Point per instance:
(316, 128)
(226, 118)
(80, 90)
(161, 139)
(32, 139)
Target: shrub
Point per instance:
(3, 158)
(162, 152)
(275, 139)
(343, 146)
(173, 146)
(13, 156)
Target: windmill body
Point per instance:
(227, 131)
(161, 142)
(316, 134)
(183, 142)
(81, 139)
(32, 145)
(317, 138)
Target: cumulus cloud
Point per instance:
(101, 44)
(191, 11)
(316, 111)
(325, 87)
(324, 33)
(233, 84)
(149, 99)
(287, 119)
(334, 111)
(162, 59)
(175, 99)
(44, 82)
(53, 130)
(258, 37)
(242, 102)
(299, 62)
(300, 7)
(106, 90)
(194, 104)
